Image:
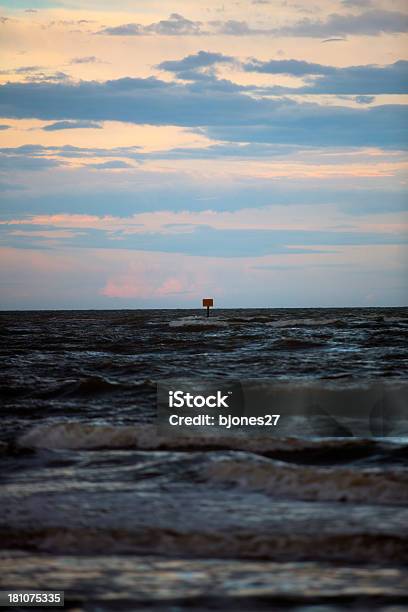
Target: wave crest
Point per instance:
(82, 435)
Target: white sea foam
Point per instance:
(302, 322)
(79, 435)
(198, 322)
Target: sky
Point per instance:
(154, 153)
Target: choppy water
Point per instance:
(95, 501)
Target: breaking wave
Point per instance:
(79, 435)
(197, 323)
(305, 322)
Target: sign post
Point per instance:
(207, 303)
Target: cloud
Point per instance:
(10, 186)
(69, 22)
(26, 69)
(220, 150)
(236, 28)
(175, 25)
(53, 77)
(382, 126)
(207, 241)
(291, 67)
(368, 23)
(321, 79)
(358, 3)
(202, 59)
(141, 284)
(364, 99)
(12, 163)
(126, 29)
(110, 165)
(22, 70)
(221, 111)
(35, 73)
(299, 266)
(330, 40)
(78, 192)
(200, 67)
(69, 151)
(88, 59)
(70, 125)
(113, 193)
(3, 126)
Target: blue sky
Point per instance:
(157, 153)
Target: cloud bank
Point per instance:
(372, 22)
(221, 111)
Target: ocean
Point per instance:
(94, 500)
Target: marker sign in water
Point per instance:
(208, 303)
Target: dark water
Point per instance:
(95, 502)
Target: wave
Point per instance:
(251, 319)
(197, 323)
(89, 386)
(217, 321)
(312, 483)
(82, 436)
(303, 322)
(193, 519)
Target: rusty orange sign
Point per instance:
(207, 302)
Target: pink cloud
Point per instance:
(159, 275)
(125, 288)
(172, 285)
(146, 286)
